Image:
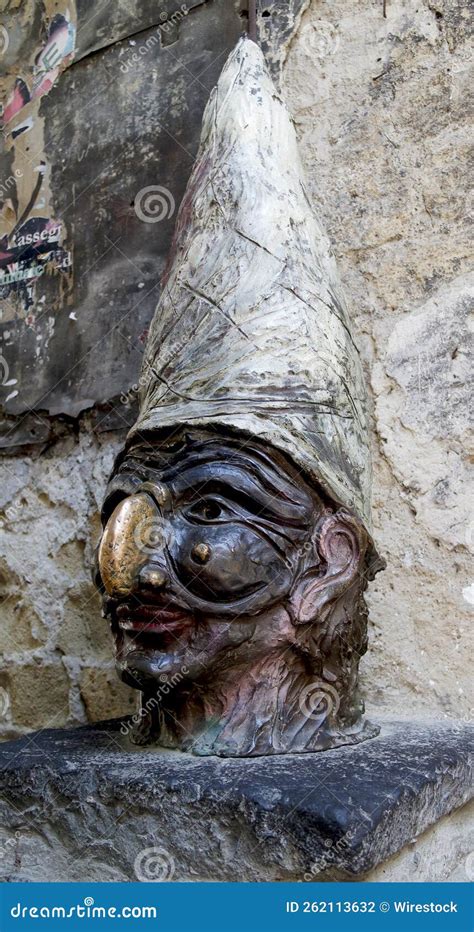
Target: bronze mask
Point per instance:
(220, 567)
(237, 545)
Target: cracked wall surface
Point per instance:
(381, 109)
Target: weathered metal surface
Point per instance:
(252, 332)
(225, 574)
(227, 564)
(100, 103)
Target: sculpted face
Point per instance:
(233, 583)
(217, 564)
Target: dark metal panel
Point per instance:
(124, 117)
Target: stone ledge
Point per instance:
(81, 804)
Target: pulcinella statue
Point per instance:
(236, 545)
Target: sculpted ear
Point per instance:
(339, 544)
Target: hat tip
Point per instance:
(246, 45)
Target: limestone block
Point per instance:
(103, 693)
(39, 694)
(84, 804)
(423, 410)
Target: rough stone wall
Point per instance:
(380, 105)
(383, 124)
(56, 647)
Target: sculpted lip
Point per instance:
(152, 618)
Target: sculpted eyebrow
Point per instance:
(222, 478)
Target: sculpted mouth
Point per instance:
(152, 619)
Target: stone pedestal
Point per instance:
(82, 804)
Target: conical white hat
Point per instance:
(251, 333)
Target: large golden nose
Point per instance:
(132, 536)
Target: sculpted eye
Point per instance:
(207, 509)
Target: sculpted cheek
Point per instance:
(228, 562)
